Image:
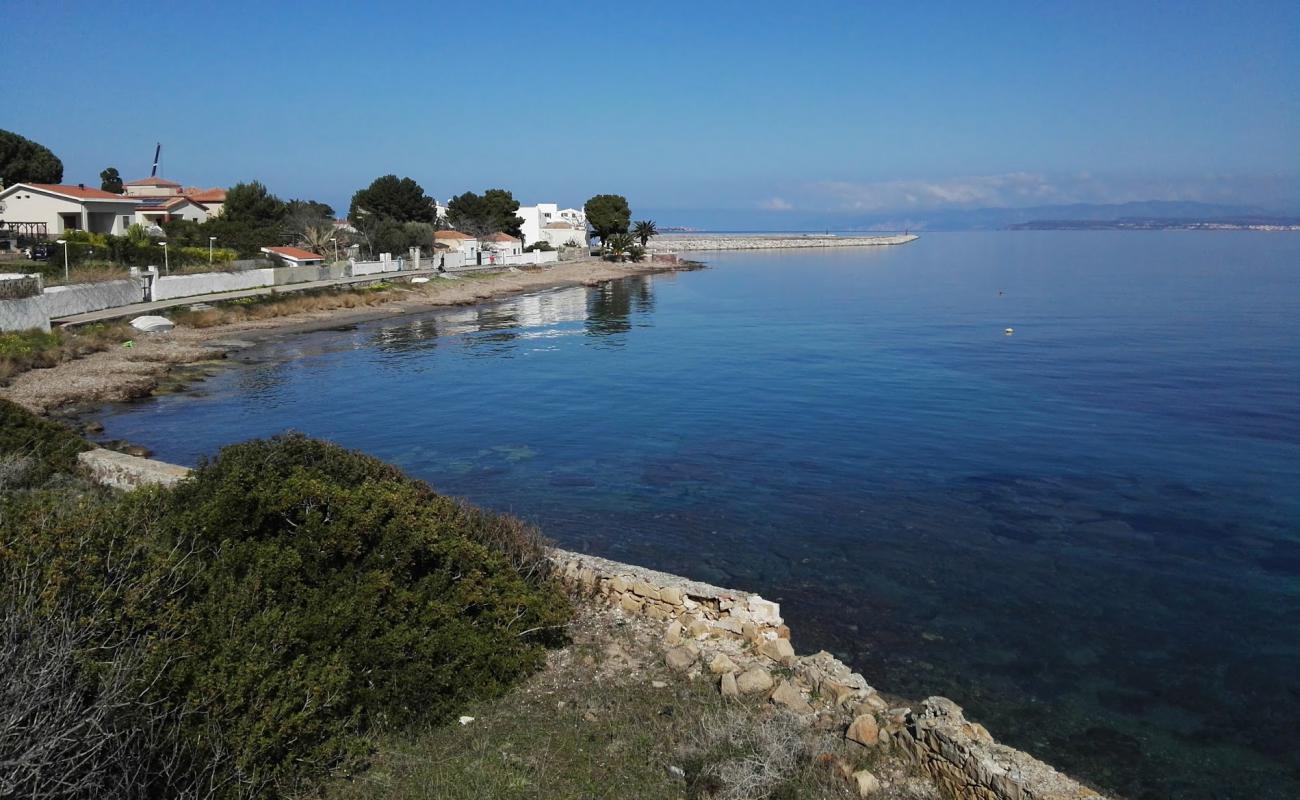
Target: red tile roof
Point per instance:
(451, 235)
(294, 253)
(78, 192)
(500, 237)
(207, 195)
(153, 182)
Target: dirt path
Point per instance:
(126, 373)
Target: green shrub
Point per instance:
(48, 447)
(296, 596)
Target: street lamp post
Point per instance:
(64, 242)
(167, 264)
(336, 248)
(211, 241)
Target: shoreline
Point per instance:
(124, 374)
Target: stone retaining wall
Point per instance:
(740, 640)
(774, 242)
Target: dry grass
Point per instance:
(607, 720)
(321, 300)
(27, 350)
(270, 307)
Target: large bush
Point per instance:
(32, 449)
(292, 596)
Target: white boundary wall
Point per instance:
(79, 298)
(169, 287)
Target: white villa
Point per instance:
(68, 208)
(547, 222)
(503, 244)
(455, 240)
(149, 202)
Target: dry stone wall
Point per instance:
(741, 640)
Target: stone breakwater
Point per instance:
(740, 640)
(683, 244)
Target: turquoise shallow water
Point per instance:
(1087, 533)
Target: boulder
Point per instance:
(722, 664)
(864, 731)
(672, 596)
(868, 784)
(680, 659)
(779, 650)
(787, 695)
(631, 604)
(754, 680)
(727, 686)
(673, 636)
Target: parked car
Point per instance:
(40, 252)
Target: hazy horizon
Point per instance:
(700, 115)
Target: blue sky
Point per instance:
(686, 108)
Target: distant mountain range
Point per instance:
(1150, 214)
(1069, 215)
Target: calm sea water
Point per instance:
(1087, 533)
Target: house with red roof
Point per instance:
(503, 244)
(63, 208)
(295, 256)
(155, 191)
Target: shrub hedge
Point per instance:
(291, 597)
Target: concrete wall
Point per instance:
(172, 286)
(324, 272)
(358, 268)
(79, 298)
(22, 308)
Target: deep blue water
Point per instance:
(1087, 533)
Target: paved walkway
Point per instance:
(138, 309)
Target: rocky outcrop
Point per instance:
(122, 471)
(740, 639)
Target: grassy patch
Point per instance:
(271, 306)
(605, 720)
(25, 350)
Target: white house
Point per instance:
(152, 187)
(536, 218)
(68, 208)
(455, 240)
(207, 202)
(503, 244)
(564, 233)
(157, 210)
(296, 257)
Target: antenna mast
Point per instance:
(157, 152)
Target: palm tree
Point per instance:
(617, 245)
(317, 239)
(644, 229)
